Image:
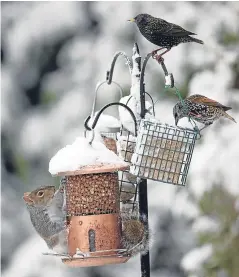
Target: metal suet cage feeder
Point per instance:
(163, 153)
(160, 152)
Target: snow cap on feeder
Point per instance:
(82, 158)
(92, 201)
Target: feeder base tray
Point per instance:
(94, 261)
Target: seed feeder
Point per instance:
(92, 202)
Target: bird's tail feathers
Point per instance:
(197, 40)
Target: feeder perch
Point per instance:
(163, 153)
(92, 205)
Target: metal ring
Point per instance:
(96, 91)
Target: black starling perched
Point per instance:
(201, 109)
(162, 33)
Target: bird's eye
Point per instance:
(139, 18)
(142, 19)
(40, 193)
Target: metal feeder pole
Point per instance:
(143, 190)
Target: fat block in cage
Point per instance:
(163, 152)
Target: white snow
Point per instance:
(205, 224)
(168, 80)
(195, 258)
(29, 261)
(125, 116)
(105, 122)
(81, 154)
(135, 76)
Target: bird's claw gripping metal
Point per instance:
(195, 127)
(154, 53)
(169, 79)
(158, 58)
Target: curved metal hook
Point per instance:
(109, 73)
(96, 91)
(152, 101)
(92, 136)
(101, 111)
(142, 85)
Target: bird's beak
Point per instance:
(176, 121)
(131, 20)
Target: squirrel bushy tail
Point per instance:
(135, 235)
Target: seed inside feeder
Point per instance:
(92, 194)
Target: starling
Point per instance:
(200, 109)
(162, 33)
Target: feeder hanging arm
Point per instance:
(109, 73)
(101, 111)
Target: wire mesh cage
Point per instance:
(128, 183)
(123, 144)
(163, 153)
(135, 234)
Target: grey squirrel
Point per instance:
(48, 215)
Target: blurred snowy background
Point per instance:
(52, 56)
